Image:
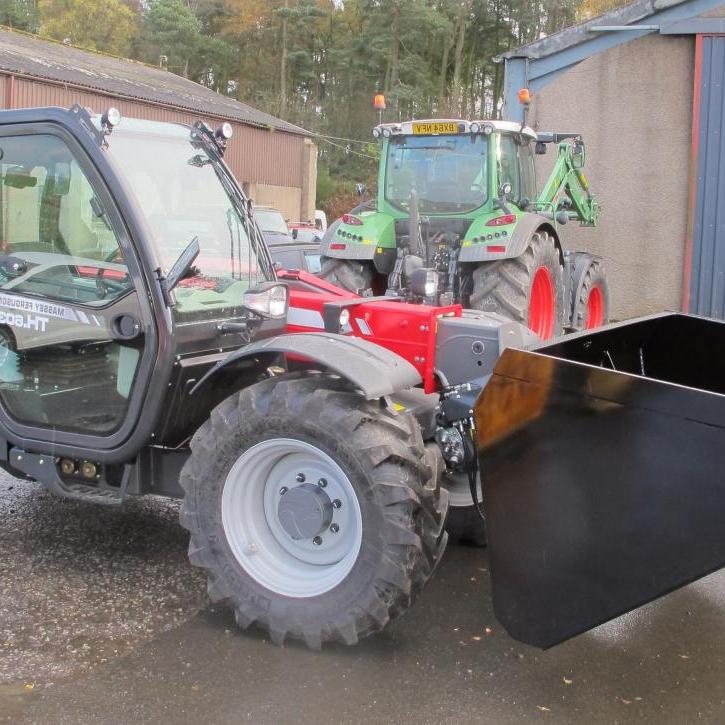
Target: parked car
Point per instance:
(296, 248)
(273, 224)
(305, 232)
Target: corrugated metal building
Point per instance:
(643, 84)
(275, 161)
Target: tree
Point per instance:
(105, 25)
(20, 14)
(173, 31)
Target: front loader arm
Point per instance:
(568, 178)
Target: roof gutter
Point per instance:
(618, 28)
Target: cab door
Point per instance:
(72, 334)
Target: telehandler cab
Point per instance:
(458, 218)
(148, 348)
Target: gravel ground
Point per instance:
(81, 584)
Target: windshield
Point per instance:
(178, 186)
(448, 172)
(271, 220)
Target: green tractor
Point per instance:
(458, 219)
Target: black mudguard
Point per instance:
(603, 488)
(374, 370)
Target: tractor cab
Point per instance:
(96, 218)
(455, 167)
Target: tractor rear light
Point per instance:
(269, 300)
(352, 220)
(496, 248)
(338, 246)
(501, 221)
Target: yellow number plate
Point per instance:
(434, 129)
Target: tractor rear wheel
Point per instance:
(347, 273)
(591, 308)
(315, 513)
(528, 288)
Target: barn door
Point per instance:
(707, 281)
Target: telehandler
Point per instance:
(148, 347)
(458, 218)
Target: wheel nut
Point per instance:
(283, 490)
(317, 540)
(300, 478)
(334, 528)
(337, 503)
(322, 483)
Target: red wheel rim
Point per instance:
(595, 309)
(542, 305)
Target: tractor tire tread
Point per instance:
(349, 274)
(387, 445)
(503, 286)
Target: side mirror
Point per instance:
(294, 233)
(540, 148)
(181, 267)
(268, 300)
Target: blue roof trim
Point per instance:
(538, 63)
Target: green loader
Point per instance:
(458, 219)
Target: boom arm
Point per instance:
(567, 177)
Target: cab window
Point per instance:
(63, 284)
(516, 167)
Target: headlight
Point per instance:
(475, 127)
(268, 300)
(225, 131)
(487, 129)
(386, 132)
(424, 282)
(111, 118)
(376, 132)
(344, 318)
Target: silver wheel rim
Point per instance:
(459, 490)
(257, 537)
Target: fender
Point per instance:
(353, 250)
(382, 257)
(517, 243)
(374, 370)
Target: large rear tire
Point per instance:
(350, 275)
(528, 288)
(315, 513)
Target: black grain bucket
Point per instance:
(603, 465)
